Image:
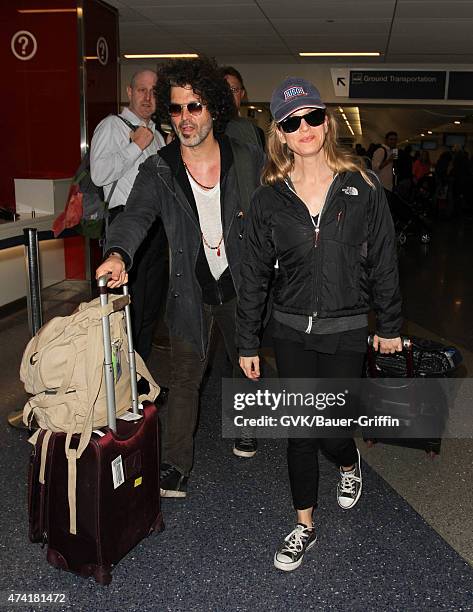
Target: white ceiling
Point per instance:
(275, 31)
(245, 32)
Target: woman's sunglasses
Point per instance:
(292, 124)
(194, 108)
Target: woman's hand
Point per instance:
(387, 345)
(116, 266)
(250, 366)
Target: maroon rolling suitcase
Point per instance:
(117, 501)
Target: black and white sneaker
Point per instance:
(245, 447)
(172, 483)
(289, 555)
(350, 485)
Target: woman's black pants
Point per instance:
(294, 361)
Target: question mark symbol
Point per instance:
(24, 43)
(102, 49)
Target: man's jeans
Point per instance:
(187, 371)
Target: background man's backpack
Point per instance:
(86, 207)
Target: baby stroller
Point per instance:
(407, 222)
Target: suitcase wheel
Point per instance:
(56, 560)
(103, 575)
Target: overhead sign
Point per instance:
(398, 84)
(341, 81)
(460, 86)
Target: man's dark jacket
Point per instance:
(163, 189)
(349, 268)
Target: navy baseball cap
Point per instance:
(292, 95)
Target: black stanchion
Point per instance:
(33, 300)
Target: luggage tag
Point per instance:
(118, 474)
(116, 360)
(131, 416)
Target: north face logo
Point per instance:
(294, 92)
(350, 190)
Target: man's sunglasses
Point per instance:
(292, 124)
(194, 108)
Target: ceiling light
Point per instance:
(429, 132)
(457, 122)
(260, 110)
(159, 55)
(422, 134)
(343, 54)
(64, 10)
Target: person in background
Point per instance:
(383, 160)
(115, 155)
(421, 166)
(196, 185)
(326, 221)
(404, 173)
(239, 127)
(360, 150)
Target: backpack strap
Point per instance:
(71, 489)
(44, 454)
(385, 155)
(128, 123)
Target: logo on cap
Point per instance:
(294, 92)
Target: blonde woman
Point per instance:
(324, 219)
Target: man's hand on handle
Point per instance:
(387, 345)
(250, 366)
(116, 266)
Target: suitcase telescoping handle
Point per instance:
(408, 352)
(108, 362)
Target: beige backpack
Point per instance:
(63, 367)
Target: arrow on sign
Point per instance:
(340, 80)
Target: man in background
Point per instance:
(240, 128)
(383, 160)
(119, 145)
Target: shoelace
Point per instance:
(246, 437)
(296, 539)
(348, 482)
(166, 471)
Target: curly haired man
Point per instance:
(200, 185)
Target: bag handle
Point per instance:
(107, 347)
(407, 352)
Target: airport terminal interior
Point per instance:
(408, 543)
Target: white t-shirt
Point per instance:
(210, 219)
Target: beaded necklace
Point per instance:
(195, 180)
(209, 246)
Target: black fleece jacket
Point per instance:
(349, 268)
